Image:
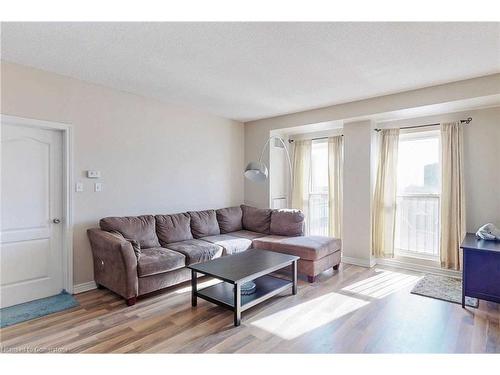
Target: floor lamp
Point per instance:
(257, 171)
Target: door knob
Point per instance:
(56, 221)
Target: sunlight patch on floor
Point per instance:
(297, 320)
(201, 285)
(384, 283)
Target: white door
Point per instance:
(31, 205)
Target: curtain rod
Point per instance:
(315, 139)
(423, 126)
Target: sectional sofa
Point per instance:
(137, 255)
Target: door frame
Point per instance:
(67, 191)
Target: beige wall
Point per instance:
(357, 195)
(256, 132)
(154, 157)
(482, 140)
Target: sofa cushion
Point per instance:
(197, 250)
(229, 219)
(134, 243)
(287, 222)
(230, 244)
(306, 247)
(256, 219)
(247, 234)
(138, 228)
(204, 223)
(173, 228)
(158, 260)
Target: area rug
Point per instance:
(35, 309)
(444, 288)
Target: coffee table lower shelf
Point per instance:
(224, 294)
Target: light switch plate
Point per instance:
(93, 174)
(79, 187)
(98, 187)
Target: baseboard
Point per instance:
(418, 267)
(84, 287)
(368, 263)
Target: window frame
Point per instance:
(312, 193)
(421, 134)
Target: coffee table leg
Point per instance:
(294, 277)
(194, 288)
(237, 304)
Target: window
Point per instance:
(318, 193)
(418, 195)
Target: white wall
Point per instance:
(154, 157)
(279, 173)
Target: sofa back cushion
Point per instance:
(287, 223)
(173, 228)
(137, 228)
(229, 219)
(256, 219)
(204, 223)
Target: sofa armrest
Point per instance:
(115, 263)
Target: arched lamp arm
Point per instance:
(286, 152)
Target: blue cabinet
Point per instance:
(481, 269)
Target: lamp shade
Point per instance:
(256, 171)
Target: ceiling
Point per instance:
(247, 71)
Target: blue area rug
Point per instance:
(35, 309)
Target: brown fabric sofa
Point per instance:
(137, 255)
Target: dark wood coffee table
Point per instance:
(234, 270)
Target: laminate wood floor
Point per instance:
(353, 310)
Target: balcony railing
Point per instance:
(318, 214)
(417, 225)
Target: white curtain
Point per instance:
(384, 199)
(335, 173)
(301, 176)
(452, 195)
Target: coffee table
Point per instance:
(234, 270)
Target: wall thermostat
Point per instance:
(93, 174)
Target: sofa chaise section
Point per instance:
(317, 253)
